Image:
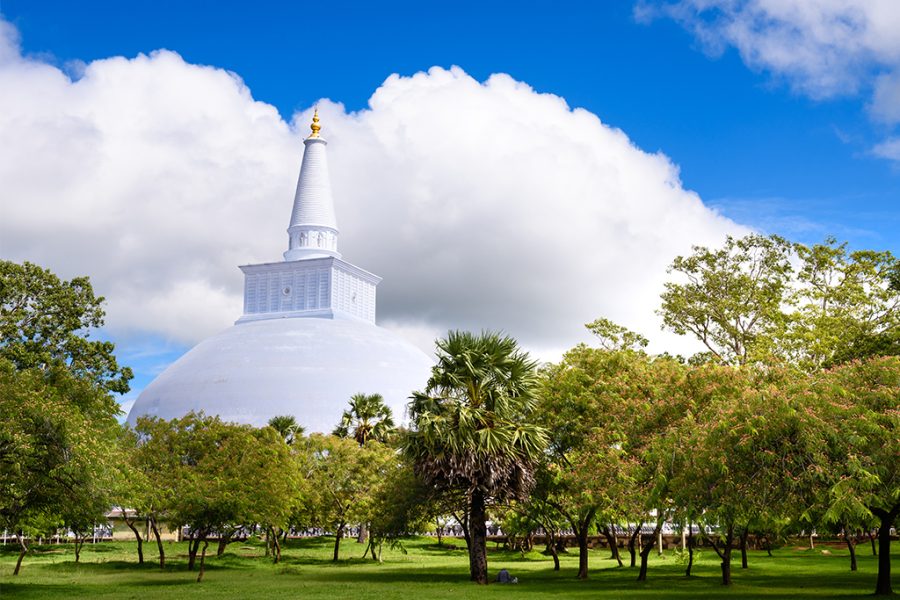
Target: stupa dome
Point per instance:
(307, 341)
(308, 368)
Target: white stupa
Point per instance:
(307, 340)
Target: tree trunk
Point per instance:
(725, 554)
(224, 540)
(363, 535)
(478, 538)
(79, 544)
(851, 546)
(276, 546)
(690, 549)
(22, 552)
(726, 567)
(582, 534)
(159, 545)
(812, 543)
(202, 562)
(632, 543)
(464, 523)
(580, 526)
(551, 548)
(193, 548)
(610, 534)
(646, 549)
(137, 535)
(883, 584)
(873, 534)
(440, 535)
(745, 533)
(337, 541)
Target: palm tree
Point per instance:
(287, 427)
(368, 418)
(471, 429)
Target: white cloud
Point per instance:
(483, 205)
(885, 105)
(890, 148)
(822, 48)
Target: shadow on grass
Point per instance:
(305, 566)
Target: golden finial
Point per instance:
(315, 124)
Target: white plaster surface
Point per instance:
(308, 368)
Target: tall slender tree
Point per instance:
(472, 428)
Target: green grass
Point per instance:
(109, 570)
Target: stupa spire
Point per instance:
(313, 230)
(314, 126)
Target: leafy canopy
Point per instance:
(45, 323)
(368, 418)
(472, 427)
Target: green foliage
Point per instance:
(731, 298)
(344, 480)
(471, 427)
(58, 460)
(845, 306)
(855, 411)
(399, 505)
(368, 418)
(615, 337)
(473, 431)
(218, 474)
(287, 427)
(745, 302)
(45, 323)
(750, 455)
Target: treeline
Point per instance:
(788, 421)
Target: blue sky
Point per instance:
(783, 145)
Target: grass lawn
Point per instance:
(110, 570)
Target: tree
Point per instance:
(603, 409)
(343, 477)
(368, 418)
(540, 508)
(746, 303)
(219, 475)
(399, 504)
(751, 455)
(57, 450)
(287, 427)
(580, 399)
(45, 324)
(731, 298)
(613, 336)
(857, 416)
(147, 488)
(845, 306)
(472, 428)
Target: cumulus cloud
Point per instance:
(889, 148)
(822, 49)
(482, 204)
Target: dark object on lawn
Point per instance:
(503, 577)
